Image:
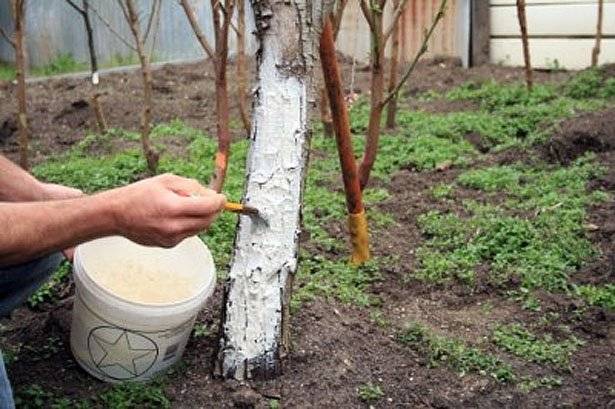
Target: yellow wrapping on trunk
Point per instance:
(359, 238)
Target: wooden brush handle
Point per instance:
(234, 207)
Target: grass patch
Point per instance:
(600, 296)
(455, 354)
(536, 233)
(517, 340)
(319, 276)
(529, 384)
(7, 72)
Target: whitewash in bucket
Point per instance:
(135, 306)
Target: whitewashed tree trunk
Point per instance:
(255, 327)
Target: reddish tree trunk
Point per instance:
(596, 49)
(392, 105)
(19, 15)
(242, 82)
(526, 46)
(341, 125)
(222, 126)
(377, 90)
(151, 155)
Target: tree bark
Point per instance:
(596, 49)
(84, 11)
(526, 46)
(377, 91)
(357, 221)
(151, 155)
(19, 18)
(392, 105)
(255, 325)
(242, 72)
(221, 28)
(219, 57)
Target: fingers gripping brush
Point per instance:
(239, 208)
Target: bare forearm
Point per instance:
(17, 185)
(30, 230)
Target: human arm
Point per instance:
(155, 211)
(17, 185)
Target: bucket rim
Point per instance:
(208, 285)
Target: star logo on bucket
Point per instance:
(121, 354)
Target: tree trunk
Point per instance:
(357, 221)
(222, 125)
(242, 74)
(98, 113)
(596, 49)
(325, 114)
(526, 46)
(255, 325)
(19, 15)
(377, 90)
(392, 105)
(150, 154)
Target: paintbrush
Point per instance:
(246, 210)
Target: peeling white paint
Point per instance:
(265, 255)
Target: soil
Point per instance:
(338, 348)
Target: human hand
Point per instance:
(53, 191)
(163, 210)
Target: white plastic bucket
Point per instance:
(135, 325)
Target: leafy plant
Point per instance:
(517, 340)
(601, 296)
(529, 384)
(133, 395)
(48, 292)
(454, 353)
(370, 393)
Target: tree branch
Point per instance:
(152, 15)
(76, 7)
(368, 15)
(113, 31)
(400, 8)
(7, 37)
(197, 29)
(419, 54)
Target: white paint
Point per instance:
(265, 255)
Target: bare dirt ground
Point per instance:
(336, 348)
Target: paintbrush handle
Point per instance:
(234, 207)
(240, 208)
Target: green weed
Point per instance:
(318, 276)
(32, 397)
(590, 83)
(442, 191)
(370, 393)
(133, 395)
(7, 72)
(528, 384)
(48, 292)
(517, 340)
(536, 233)
(62, 64)
(454, 354)
(601, 296)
